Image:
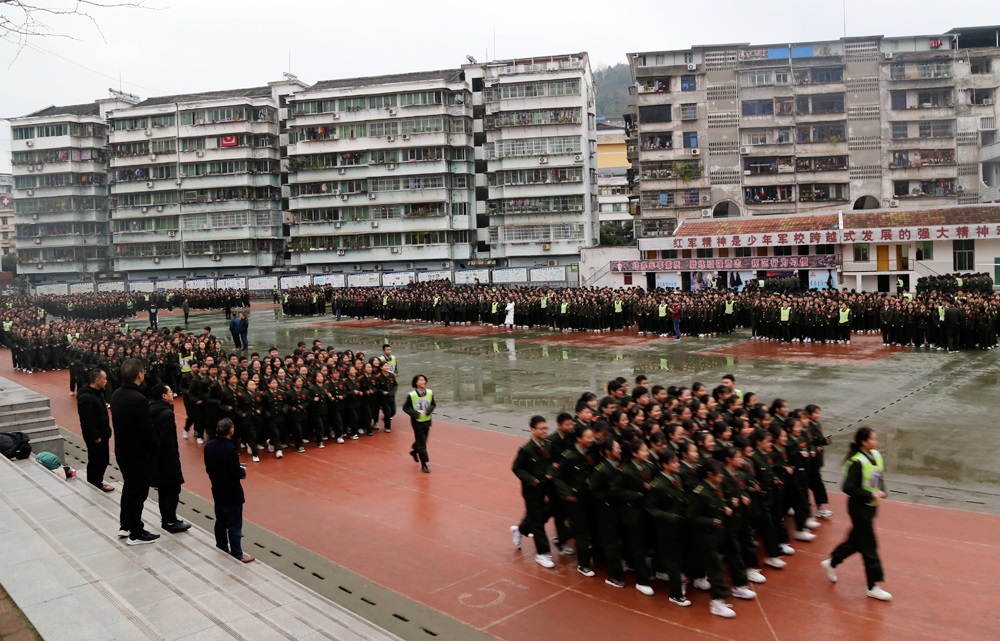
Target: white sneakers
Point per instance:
(804, 535)
(831, 574)
(662, 576)
(775, 562)
(744, 592)
(824, 514)
(545, 560)
(702, 584)
(255, 459)
(720, 608)
(812, 524)
(645, 589)
(880, 594)
(683, 602)
(754, 576)
(515, 536)
(279, 454)
(786, 549)
(200, 440)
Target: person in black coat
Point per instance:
(168, 478)
(222, 462)
(135, 449)
(96, 428)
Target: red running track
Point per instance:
(442, 539)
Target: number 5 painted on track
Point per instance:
(490, 588)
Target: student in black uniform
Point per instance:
(864, 485)
(533, 468)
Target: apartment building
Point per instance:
(61, 195)
(6, 213)
(612, 176)
(536, 153)
(855, 123)
(381, 173)
(196, 185)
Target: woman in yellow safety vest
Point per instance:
(864, 484)
(419, 405)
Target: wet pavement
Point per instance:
(934, 411)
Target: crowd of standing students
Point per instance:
(677, 484)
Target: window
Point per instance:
(23, 133)
(964, 255)
(783, 250)
(382, 102)
(829, 104)
(690, 139)
(660, 113)
(900, 130)
(980, 66)
(784, 106)
(825, 249)
(166, 120)
(936, 129)
(46, 131)
(980, 96)
(755, 78)
(758, 107)
(689, 112)
(925, 250)
(689, 83)
(353, 104)
(861, 253)
(782, 78)
(744, 252)
(704, 252)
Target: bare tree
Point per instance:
(22, 21)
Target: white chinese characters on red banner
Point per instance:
(726, 264)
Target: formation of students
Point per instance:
(123, 305)
(674, 484)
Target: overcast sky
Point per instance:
(182, 46)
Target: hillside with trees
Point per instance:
(611, 84)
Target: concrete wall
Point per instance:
(594, 262)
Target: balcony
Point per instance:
(887, 265)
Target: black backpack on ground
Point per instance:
(15, 445)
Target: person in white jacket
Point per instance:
(509, 320)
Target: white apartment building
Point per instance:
(854, 123)
(535, 129)
(196, 186)
(381, 173)
(612, 176)
(61, 193)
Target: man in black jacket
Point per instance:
(169, 478)
(222, 462)
(96, 428)
(135, 448)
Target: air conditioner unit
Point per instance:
(156, 259)
(341, 252)
(391, 166)
(337, 224)
(894, 203)
(372, 196)
(149, 184)
(390, 138)
(543, 160)
(148, 132)
(30, 192)
(199, 153)
(152, 156)
(744, 150)
(357, 268)
(38, 166)
(177, 181)
(34, 216)
(341, 171)
(578, 158)
(706, 213)
(374, 224)
(334, 116)
(171, 233)
(29, 143)
(336, 192)
(547, 246)
(38, 241)
(960, 188)
(988, 102)
(343, 196)
(144, 209)
(392, 112)
(159, 208)
(39, 265)
(394, 250)
(696, 152)
(378, 267)
(409, 266)
(31, 168)
(888, 55)
(216, 257)
(406, 136)
(705, 198)
(692, 67)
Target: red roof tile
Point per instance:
(961, 215)
(757, 225)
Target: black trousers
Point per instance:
(229, 528)
(98, 458)
(168, 496)
(135, 491)
(421, 430)
(535, 516)
(861, 539)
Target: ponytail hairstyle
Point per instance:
(862, 435)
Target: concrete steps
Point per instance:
(22, 410)
(75, 580)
